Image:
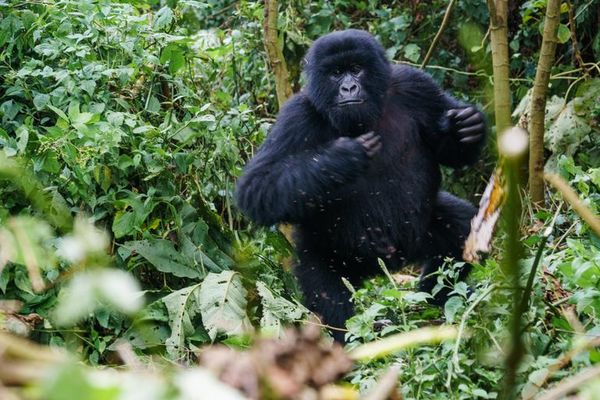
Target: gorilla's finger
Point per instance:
(471, 129)
(466, 112)
(372, 141)
(472, 139)
(374, 150)
(451, 113)
(472, 120)
(366, 136)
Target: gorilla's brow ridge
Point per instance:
(345, 57)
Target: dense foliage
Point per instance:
(137, 117)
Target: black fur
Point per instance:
(348, 208)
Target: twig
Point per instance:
(401, 341)
(386, 386)
(454, 366)
(536, 262)
(439, 33)
(569, 385)
(560, 363)
(571, 197)
(575, 44)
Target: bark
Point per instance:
(275, 54)
(500, 61)
(282, 75)
(538, 102)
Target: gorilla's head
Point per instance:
(348, 76)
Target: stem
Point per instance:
(538, 102)
(511, 265)
(439, 33)
(571, 197)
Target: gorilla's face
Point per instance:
(348, 76)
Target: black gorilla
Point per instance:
(353, 161)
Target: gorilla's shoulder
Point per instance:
(299, 108)
(412, 85)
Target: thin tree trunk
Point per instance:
(538, 102)
(500, 61)
(275, 54)
(282, 76)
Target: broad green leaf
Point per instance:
(182, 307)
(452, 306)
(89, 290)
(123, 223)
(162, 255)
(563, 34)
(88, 86)
(412, 52)
(40, 100)
(163, 18)
(223, 304)
(277, 309)
(58, 112)
(73, 111)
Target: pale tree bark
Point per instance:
(281, 73)
(500, 61)
(275, 54)
(538, 102)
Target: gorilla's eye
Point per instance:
(337, 71)
(355, 68)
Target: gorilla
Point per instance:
(353, 161)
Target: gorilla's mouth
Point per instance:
(350, 102)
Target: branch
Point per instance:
(438, 35)
(538, 102)
(576, 53)
(571, 197)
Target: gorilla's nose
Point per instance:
(349, 89)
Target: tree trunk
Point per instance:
(499, 38)
(282, 76)
(275, 54)
(538, 102)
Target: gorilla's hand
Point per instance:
(371, 143)
(468, 124)
(367, 145)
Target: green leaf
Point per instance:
(163, 18)
(162, 255)
(88, 86)
(124, 223)
(277, 309)
(451, 307)
(563, 34)
(59, 112)
(182, 307)
(40, 101)
(223, 304)
(177, 61)
(73, 110)
(412, 52)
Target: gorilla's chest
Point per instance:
(391, 202)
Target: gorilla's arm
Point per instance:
(295, 169)
(455, 131)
